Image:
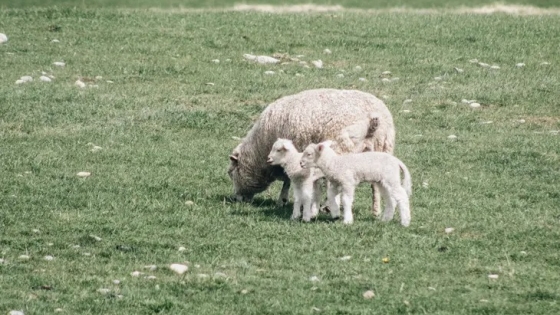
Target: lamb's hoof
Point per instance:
(295, 217)
(386, 219)
(306, 220)
(405, 223)
(348, 222)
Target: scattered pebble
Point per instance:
(386, 73)
(189, 202)
(327, 51)
(45, 79)
(545, 63)
(50, 244)
(261, 59)
(182, 249)
(95, 148)
(406, 111)
(314, 279)
(178, 268)
(36, 231)
(344, 258)
(523, 252)
(431, 288)
(316, 309)
(358, 68)
(493, 276)
(362, 79)
(24, 257)
(244, 291)
(459, 70)
(98, 77)
(408, 100)
(3, 38)
(299, 75)
(368, 295)
(202, 275)
(2, 261)
(520, 65)
(473, 60)
(216, 60)
(449, 230)
(486, 122)
(151, 277)
(494, 67)
(117, 282)
(109, 81)
(484, 301)
(197, 266)
(151, 267)
(20, 81)
(228, 60)
(26, 78)
(210, 83)
(385, 260)
(103, 290)
(59, 63)
(317, 63)
(75, 246)
(86, 254)
(340, 75)
(438, 78)
(474, 105)
(16, 313)
(483, 65)
(385, 80)
(95, 237)
(58, 310)
(80, 84)
(135, 273)
(55, 41)
(49, 258)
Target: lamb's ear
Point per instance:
(320, 147)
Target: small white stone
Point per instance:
(449, 230)
(358, 68)
(244, 291)
(486, 122)
(385, 80)
(3, 38)
(368, 295)
(83, 174)
(317, 63)
(493, 276)
(80, 84)
(362, 79)
(474, 105)
(300, 56)
(182, 249)
(45, 78)
(178, 268)
(202, 275)
(216, 60)
(50, 244)
(314, 279)
(459, 70)
(228, 60)
(386, 73)
(483, 65)
(36, 231)
(55, 41)
(117, 282)
(103, 290)
(197, 266)
(24, 257)
(327, 51)
(189, 202)
(316, 309)
(135, 273)
(269, 72)
(473, 60)
(299, 75)
(523, 252)
(494, 67)
(75, 246)
(95, 148)
(438, 78)
(109, 81)
(20, 81)
(26, 78)
(48, 258)
(58, 310)
(406, 111)
(545, 63)
(95, 237)
(261, 59)
(16, 313)
(210, 83)
(408, 100)
(59, 63)
(431, 288)
(86, 254)
(520, 65)
(344, 258)
(340, 75)
(452, 137)
(151, 267)
(151, 277)
(98, 77)
(465, 101)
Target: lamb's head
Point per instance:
(281, 149)
(313, 152)
(245, 182)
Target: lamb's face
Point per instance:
(309, 156)
(278, 152)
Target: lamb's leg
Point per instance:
(296, 214)
(332, 202)
(401, 197)
(347, 200)
(307, 200)
(316, 198)
(376, 199)
(389, 211)
(283, 199)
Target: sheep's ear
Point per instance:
(234, 158)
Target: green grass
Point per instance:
(165, 136)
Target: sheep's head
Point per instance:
(312, 153)
(279, 153)
(245, 182)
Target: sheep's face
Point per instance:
(309, 156)
(238, 177)
(278, 153)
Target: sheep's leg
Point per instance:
(376, 199)
(296, 214)
(332, 202)
(316, 198)
(347, 200)
(283, 199)
(389, 211)
(404, 206)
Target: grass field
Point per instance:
(165, 135)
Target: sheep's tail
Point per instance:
(407, 181)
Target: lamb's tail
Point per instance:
(407, 181)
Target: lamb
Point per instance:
(345, 172)
(307, 184)
(356, 120)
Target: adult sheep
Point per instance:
(356, 121)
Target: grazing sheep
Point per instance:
(345, 172)
(357, 121)
(307, 184)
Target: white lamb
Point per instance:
(345, 172)
(306, 182)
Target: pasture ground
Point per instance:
(165, 134)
